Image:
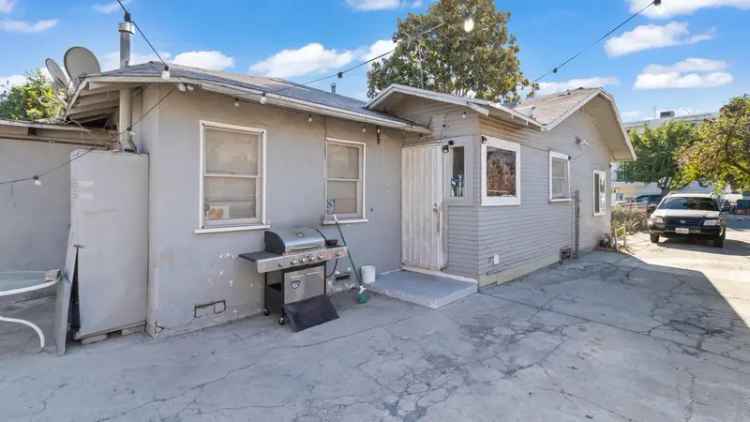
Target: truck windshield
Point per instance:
(699, 204)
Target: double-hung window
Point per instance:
(344, 180)
(232, 188)
(501, 172)
(600, 192)
(559, 177)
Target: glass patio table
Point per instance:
(19, 282)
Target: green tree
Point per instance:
(721, 154)
(434, 52)
(34, 100)
(657, 151)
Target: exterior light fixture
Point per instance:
(236, 102)
(364, 129)
(37, 181)
(165, 74)
(263, 98)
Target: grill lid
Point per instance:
(292, 240)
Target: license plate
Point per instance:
(682, 230)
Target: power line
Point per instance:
(143, 34)
(37, 177)
(598, 40)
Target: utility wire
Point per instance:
(143, 34)
(598, 40)
(67, 163)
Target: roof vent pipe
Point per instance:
(333, 88)
(126, 32)
(125, 120)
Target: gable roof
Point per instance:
(483, 107)
(276, 91)
(551, 110)
(543, 113)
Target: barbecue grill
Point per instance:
(293, 268)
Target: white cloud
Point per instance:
(7, 82)
(645, 37)
(373, 5)
(211, 60)
(378, 48)
(311, 58)
(6, 6)
(593, 82)
(370, 5)
(109, 8)
(669, 8)
(26, 26)
(689, 73)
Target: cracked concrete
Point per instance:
(658, 336)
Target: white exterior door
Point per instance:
(422, 208)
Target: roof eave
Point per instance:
(252, 94)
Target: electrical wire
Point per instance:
(114, 136)
(598, 40)
(143, 34)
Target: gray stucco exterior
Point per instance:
(188, 269)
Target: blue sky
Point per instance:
(687, 55)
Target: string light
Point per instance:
(557, 68)
(468, 24)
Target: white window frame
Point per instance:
(361, 214)
(494, 201)
(566, 158)
(602, 210)
(257, 223)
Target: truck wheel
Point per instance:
(654, 238)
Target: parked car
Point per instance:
(693, 215)
(648, 202)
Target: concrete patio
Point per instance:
(607, 337)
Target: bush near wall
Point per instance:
(632, 219)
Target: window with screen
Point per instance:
(600, 192)
(232, 186)
(345, 163)
(501, 172)
(559, 177)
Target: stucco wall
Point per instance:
(35, 219)
(187, 268)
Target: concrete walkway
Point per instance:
(605, 338)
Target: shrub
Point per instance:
(631, 219)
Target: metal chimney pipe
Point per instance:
(124, 123)
(127, 30)
(333, 88)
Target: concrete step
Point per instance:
(432, 291)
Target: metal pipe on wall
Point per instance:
(126, 30)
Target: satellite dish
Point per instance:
(80, 61)
(59, 77)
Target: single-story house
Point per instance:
(421, 180)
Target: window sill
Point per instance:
(600, 214)
(560, 200)
(353, 221)
(231, 229)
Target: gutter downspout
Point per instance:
(126, 30)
